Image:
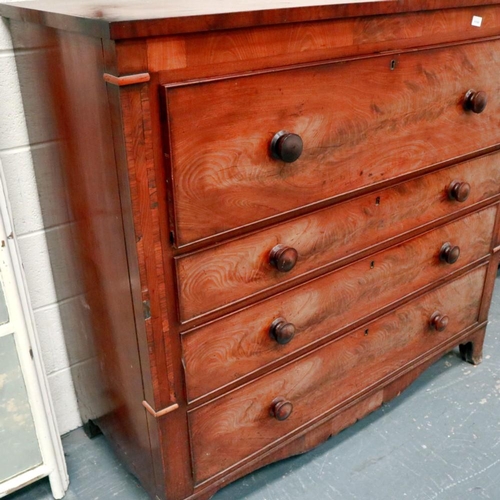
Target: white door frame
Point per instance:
(23, 324)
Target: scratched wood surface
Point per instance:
(238, 424)
(213, 278)
(228, 349)
(361, 123)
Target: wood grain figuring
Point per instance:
(238, 424)
(301, 443)
(134, 19)
(174, 433)
(412, 116)
(130, 56)
(135, 106)
(143, 342)
(235, 346)
(247, 300)
(145, 198)
(314, 434)
(223, 52)
(213, 278)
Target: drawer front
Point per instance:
(236, 345)
(216, 277)
(239, 424)
(361, 122)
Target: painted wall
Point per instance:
(42, 222)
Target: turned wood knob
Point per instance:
(475, 101)
(283, 258)
(282, 331)
(281, 409)
(449, 253)
(439, 321)
(459, 191)
(286, 146)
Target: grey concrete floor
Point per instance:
(439, 439)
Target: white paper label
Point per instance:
(477, 21)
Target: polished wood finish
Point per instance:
(119, 19)
(283, 215)
(182, 58)
(224, 351)
(223, 177)
(233, 427)
(140, 173)
(316, 433)
(232, 271)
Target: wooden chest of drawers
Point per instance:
(282, 215)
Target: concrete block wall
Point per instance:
(42, 223)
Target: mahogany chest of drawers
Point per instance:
(282, 215)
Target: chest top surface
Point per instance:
(132, 18)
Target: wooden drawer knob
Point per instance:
(449, 253)
(282, 331)
(459, 191)
(475, 101)
(286, 147)
(439, 321)
(281, 409)
(283, 258)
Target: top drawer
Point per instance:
(361, 123)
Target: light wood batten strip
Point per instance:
(127, 79)
(158, 414)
